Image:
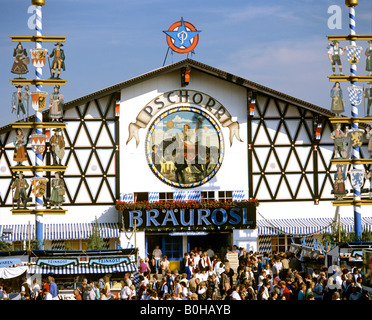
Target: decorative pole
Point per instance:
(354, 113)
(39, 118)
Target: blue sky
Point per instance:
(279, 44)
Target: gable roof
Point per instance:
(202, 68)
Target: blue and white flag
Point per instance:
(353, 54)
(355, 95)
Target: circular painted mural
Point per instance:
(184, 147)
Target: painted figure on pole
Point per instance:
(368, 97)
(334, 55)
(368, 176)
(58, 63)
(20, 101)
(20, 142)
(57, 143)
(58, 191)
(338, 104)
(339, 184)
(20, 61)
(20, 186)
(340, 144)
(369, 138)
(368, 53)
(56, 105)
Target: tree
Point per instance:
(95, 241)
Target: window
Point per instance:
(165, 196)
(278, 244)
(18, 245)
(207, 195)
(225, 195)
(141, 196)
(76, 244)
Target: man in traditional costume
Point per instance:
(19, 102)
(368, 97)
(20, 187)
(334, 55)
(57, 143)
(59, 60)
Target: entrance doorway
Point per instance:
(216, 241)
(171, 246)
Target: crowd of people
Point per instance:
(204, 275)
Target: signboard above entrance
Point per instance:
(189, 219)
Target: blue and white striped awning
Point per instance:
(74, 231)
(303, 226)
(61, 231)
(82, 269)
(20, 232)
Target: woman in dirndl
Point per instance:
(337, 105)
(20, 61)
(58, 191)
(20, 142)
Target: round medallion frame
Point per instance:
(149, 145)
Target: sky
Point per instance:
(278, 44)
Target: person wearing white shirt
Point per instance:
(196, 259)
(205, 261)
(235, 294)
(125, 291)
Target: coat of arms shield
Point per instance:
(39, 186)
(357, 178)
(355, 95)
(353, 54)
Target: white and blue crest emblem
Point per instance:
(355, 95)
(353, 54)
(357, 178)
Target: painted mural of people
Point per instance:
(20, 61)
(369, 138)
(334, 55)
(20, 100)
(20, 142)
(20, 186)
(57, 143)
(340, 144)
(339, 183)
(368, 97)
(58, 63)
(56, 105)
(57, 196)
(338, 104)
(368, 53)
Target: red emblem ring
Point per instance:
(180, 50)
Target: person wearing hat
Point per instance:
(19, 100)
(57, 143)
(20, 61)
(368, 96)
(368, 53)
(334, 55)
(59, 60)
(56, 105)
(340, 145)
(20, 193)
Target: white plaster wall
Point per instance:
(136, 176)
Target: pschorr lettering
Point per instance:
(207, 309)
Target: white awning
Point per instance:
(304, 226)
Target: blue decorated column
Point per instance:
(39, 118)
(354, 113)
